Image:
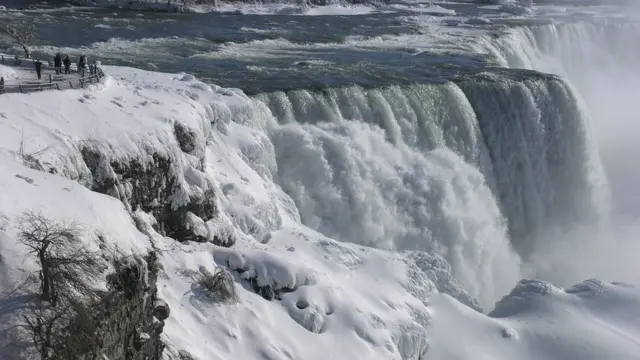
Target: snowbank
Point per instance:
(301, 295)
(591, 320)
(9, 74)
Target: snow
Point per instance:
(592, 320)
(8, 73)
(330, 299)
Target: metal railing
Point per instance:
(53, 84)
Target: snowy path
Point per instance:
(24, 75)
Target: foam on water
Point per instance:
(145, 48)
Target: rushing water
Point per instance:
(259, 53)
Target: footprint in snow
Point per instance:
(117, 103)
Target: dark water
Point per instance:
(274, 52)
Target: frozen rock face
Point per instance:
(180, 196)
(129, 328)
(438, 271)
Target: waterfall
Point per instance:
(466, 169)
(599, 59)
(546, 170)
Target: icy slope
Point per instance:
(591, 320)
(301, 295)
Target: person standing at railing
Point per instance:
(67, 65)
(82, 64)
(57, 63)
(38, 66)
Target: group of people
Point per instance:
(83, 64)
(58, 62)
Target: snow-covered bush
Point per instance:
(218, 286)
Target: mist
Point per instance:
(601, 63)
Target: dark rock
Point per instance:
(187, 138)
(127, 327)
(267, 291)
(185, 355)
(161, 310)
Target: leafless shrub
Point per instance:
(218, 286)
(32, 159)
(43, 326)
(63, 332)
(22, 34)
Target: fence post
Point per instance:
(41, 87)
(3, 59)
(70, 84)
(20, 87)
(58, 86)
(50, 79)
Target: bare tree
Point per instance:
(43, 326)
(64, 332)
(66, 266)
(22, 34)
